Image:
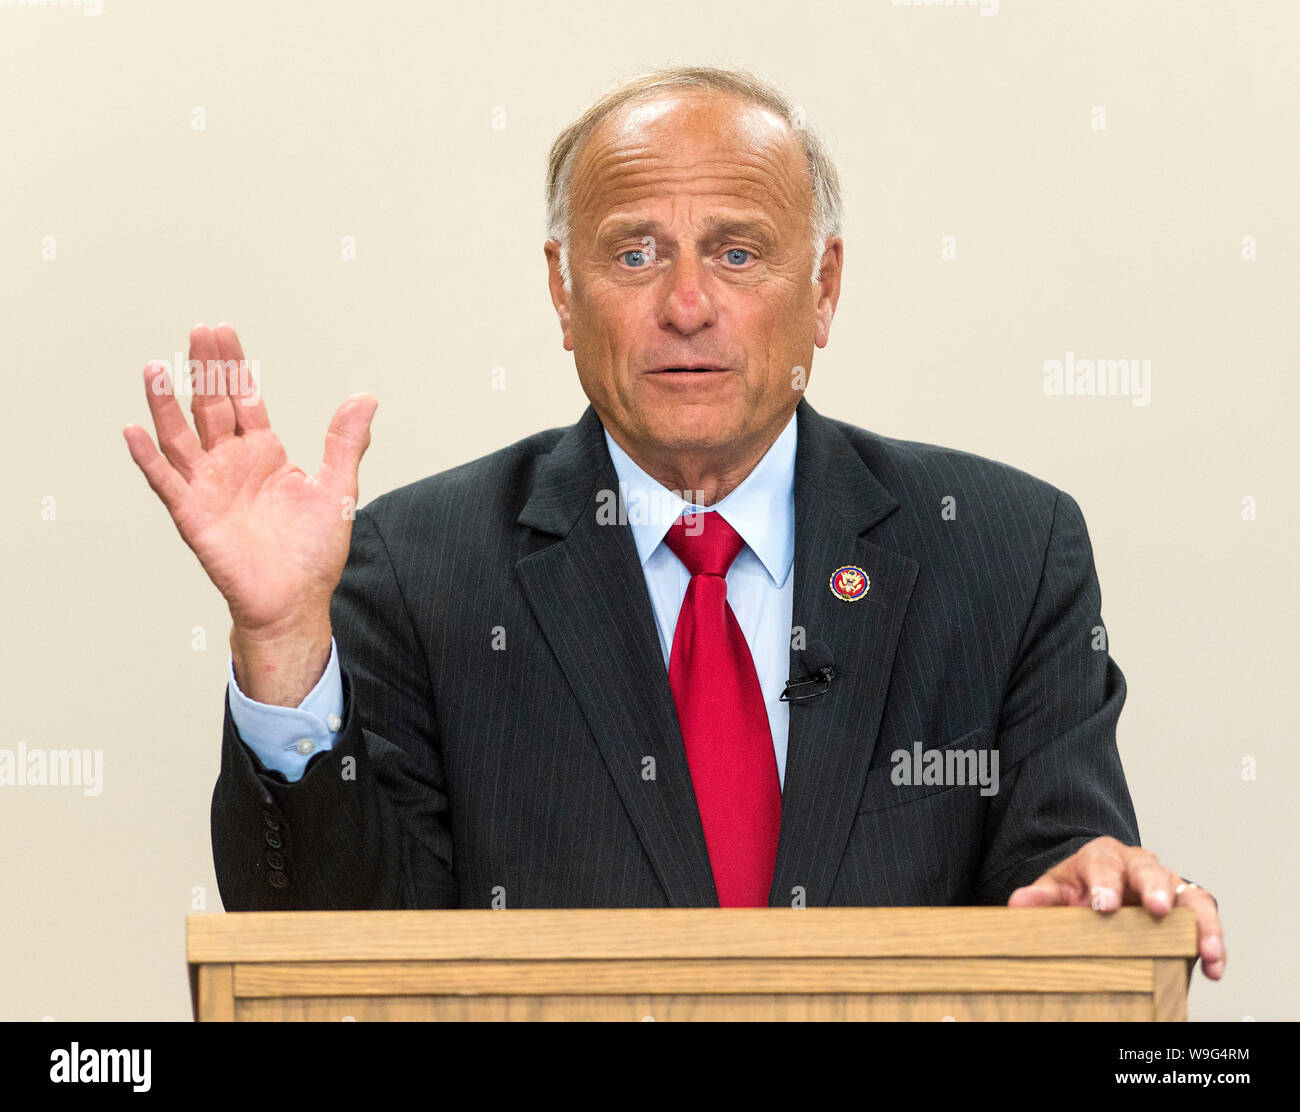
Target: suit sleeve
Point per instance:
(366, 826)
(1061, 781)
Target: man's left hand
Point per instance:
(1106, 874)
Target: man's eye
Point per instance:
(636, 258)
(731, 256)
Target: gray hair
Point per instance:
(828, 207)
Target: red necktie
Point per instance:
(723, 718)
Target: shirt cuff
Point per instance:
(286, 738)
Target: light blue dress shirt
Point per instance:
(286, 738)
(760, 589)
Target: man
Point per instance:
(554, 676)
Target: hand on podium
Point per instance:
(1105, 874)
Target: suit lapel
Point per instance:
(588, 593)
(837, 499)
(584, 583)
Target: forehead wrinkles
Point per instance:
(646, 179)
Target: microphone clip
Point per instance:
(820, 680)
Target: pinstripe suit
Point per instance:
(552, 774)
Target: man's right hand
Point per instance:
(273, 539)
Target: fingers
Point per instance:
(245, 395)
(1115, 874)
(1044, 892)
(1209, 930)
(214, 415)
(162, 477)
(176, 438)
(348, 437)
(1148, 882)
(1103, 874)
(1102, 868)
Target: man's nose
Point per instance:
(687, 306)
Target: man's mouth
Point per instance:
(685, 370)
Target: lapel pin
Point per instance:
(850, 583)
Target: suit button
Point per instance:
(274, 859)
(277, 879)
(271, 822)
(273, 839)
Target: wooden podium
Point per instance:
(699, 964)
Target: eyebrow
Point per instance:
(718, 227)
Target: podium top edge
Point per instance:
(649, 933)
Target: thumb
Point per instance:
(348, 436)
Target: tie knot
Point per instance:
(706, 544)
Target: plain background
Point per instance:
(383, 122)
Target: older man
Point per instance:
(557, 676)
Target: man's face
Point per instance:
(690, 248)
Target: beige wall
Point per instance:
(375, 121)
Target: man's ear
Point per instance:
(827, 290)
(559, 295)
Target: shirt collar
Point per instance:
(760, 509)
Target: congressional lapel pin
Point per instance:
(850, 583)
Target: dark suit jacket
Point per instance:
(464, 772)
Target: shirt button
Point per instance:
(305, 746)
(277, 879)
(334, 722)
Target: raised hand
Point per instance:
(272, 539)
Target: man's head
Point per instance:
(694, 223)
